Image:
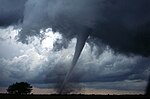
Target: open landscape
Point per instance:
(73, 96)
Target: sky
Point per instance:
(39, 40)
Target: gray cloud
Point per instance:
(12, 12)
(122, 26)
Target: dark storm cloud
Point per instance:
(114, 72)
(11, 12)
(127, 27)
(119, 24)
(110, 69)
(59, 44)
(123, 25)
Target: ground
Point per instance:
(79, 96)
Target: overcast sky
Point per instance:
(38, 39)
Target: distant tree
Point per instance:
(21, 88)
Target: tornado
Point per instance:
(81, 39)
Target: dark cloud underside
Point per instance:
(11, 12)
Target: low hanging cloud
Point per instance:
(12, 12)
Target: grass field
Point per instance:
(79, 96)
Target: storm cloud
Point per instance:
(119, 24)
(11, 12)
(118, 34)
